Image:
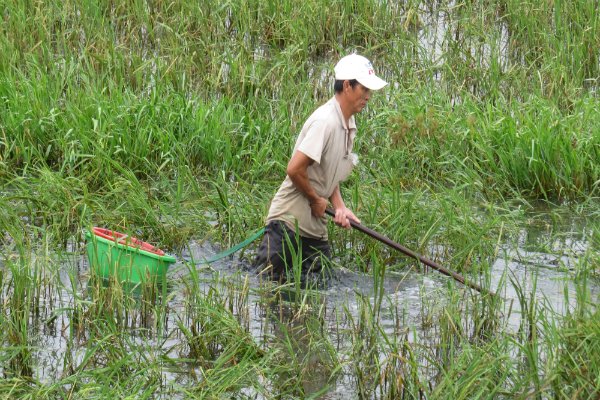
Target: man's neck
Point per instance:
(345, 107)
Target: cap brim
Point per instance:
(372, 82)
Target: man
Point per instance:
(296, 226)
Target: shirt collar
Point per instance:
(351, 122)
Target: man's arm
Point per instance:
(297, 170)
(342, 213)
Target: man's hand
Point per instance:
(297, 170)
(318, 206)
(343, 216)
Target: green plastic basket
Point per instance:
(115, 255)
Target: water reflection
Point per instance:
(543, 262)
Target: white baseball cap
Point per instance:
(358, 67)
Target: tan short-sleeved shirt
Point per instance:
(327, 140)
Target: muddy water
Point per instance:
(542, 264)
(545, 262)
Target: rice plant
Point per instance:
(174, 121)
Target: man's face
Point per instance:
(358, 96)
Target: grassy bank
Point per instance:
(499, 98)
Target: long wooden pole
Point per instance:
(414, 255)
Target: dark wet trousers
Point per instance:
(278, 253)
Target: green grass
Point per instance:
(175, 121)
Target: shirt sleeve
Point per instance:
(313, 143)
